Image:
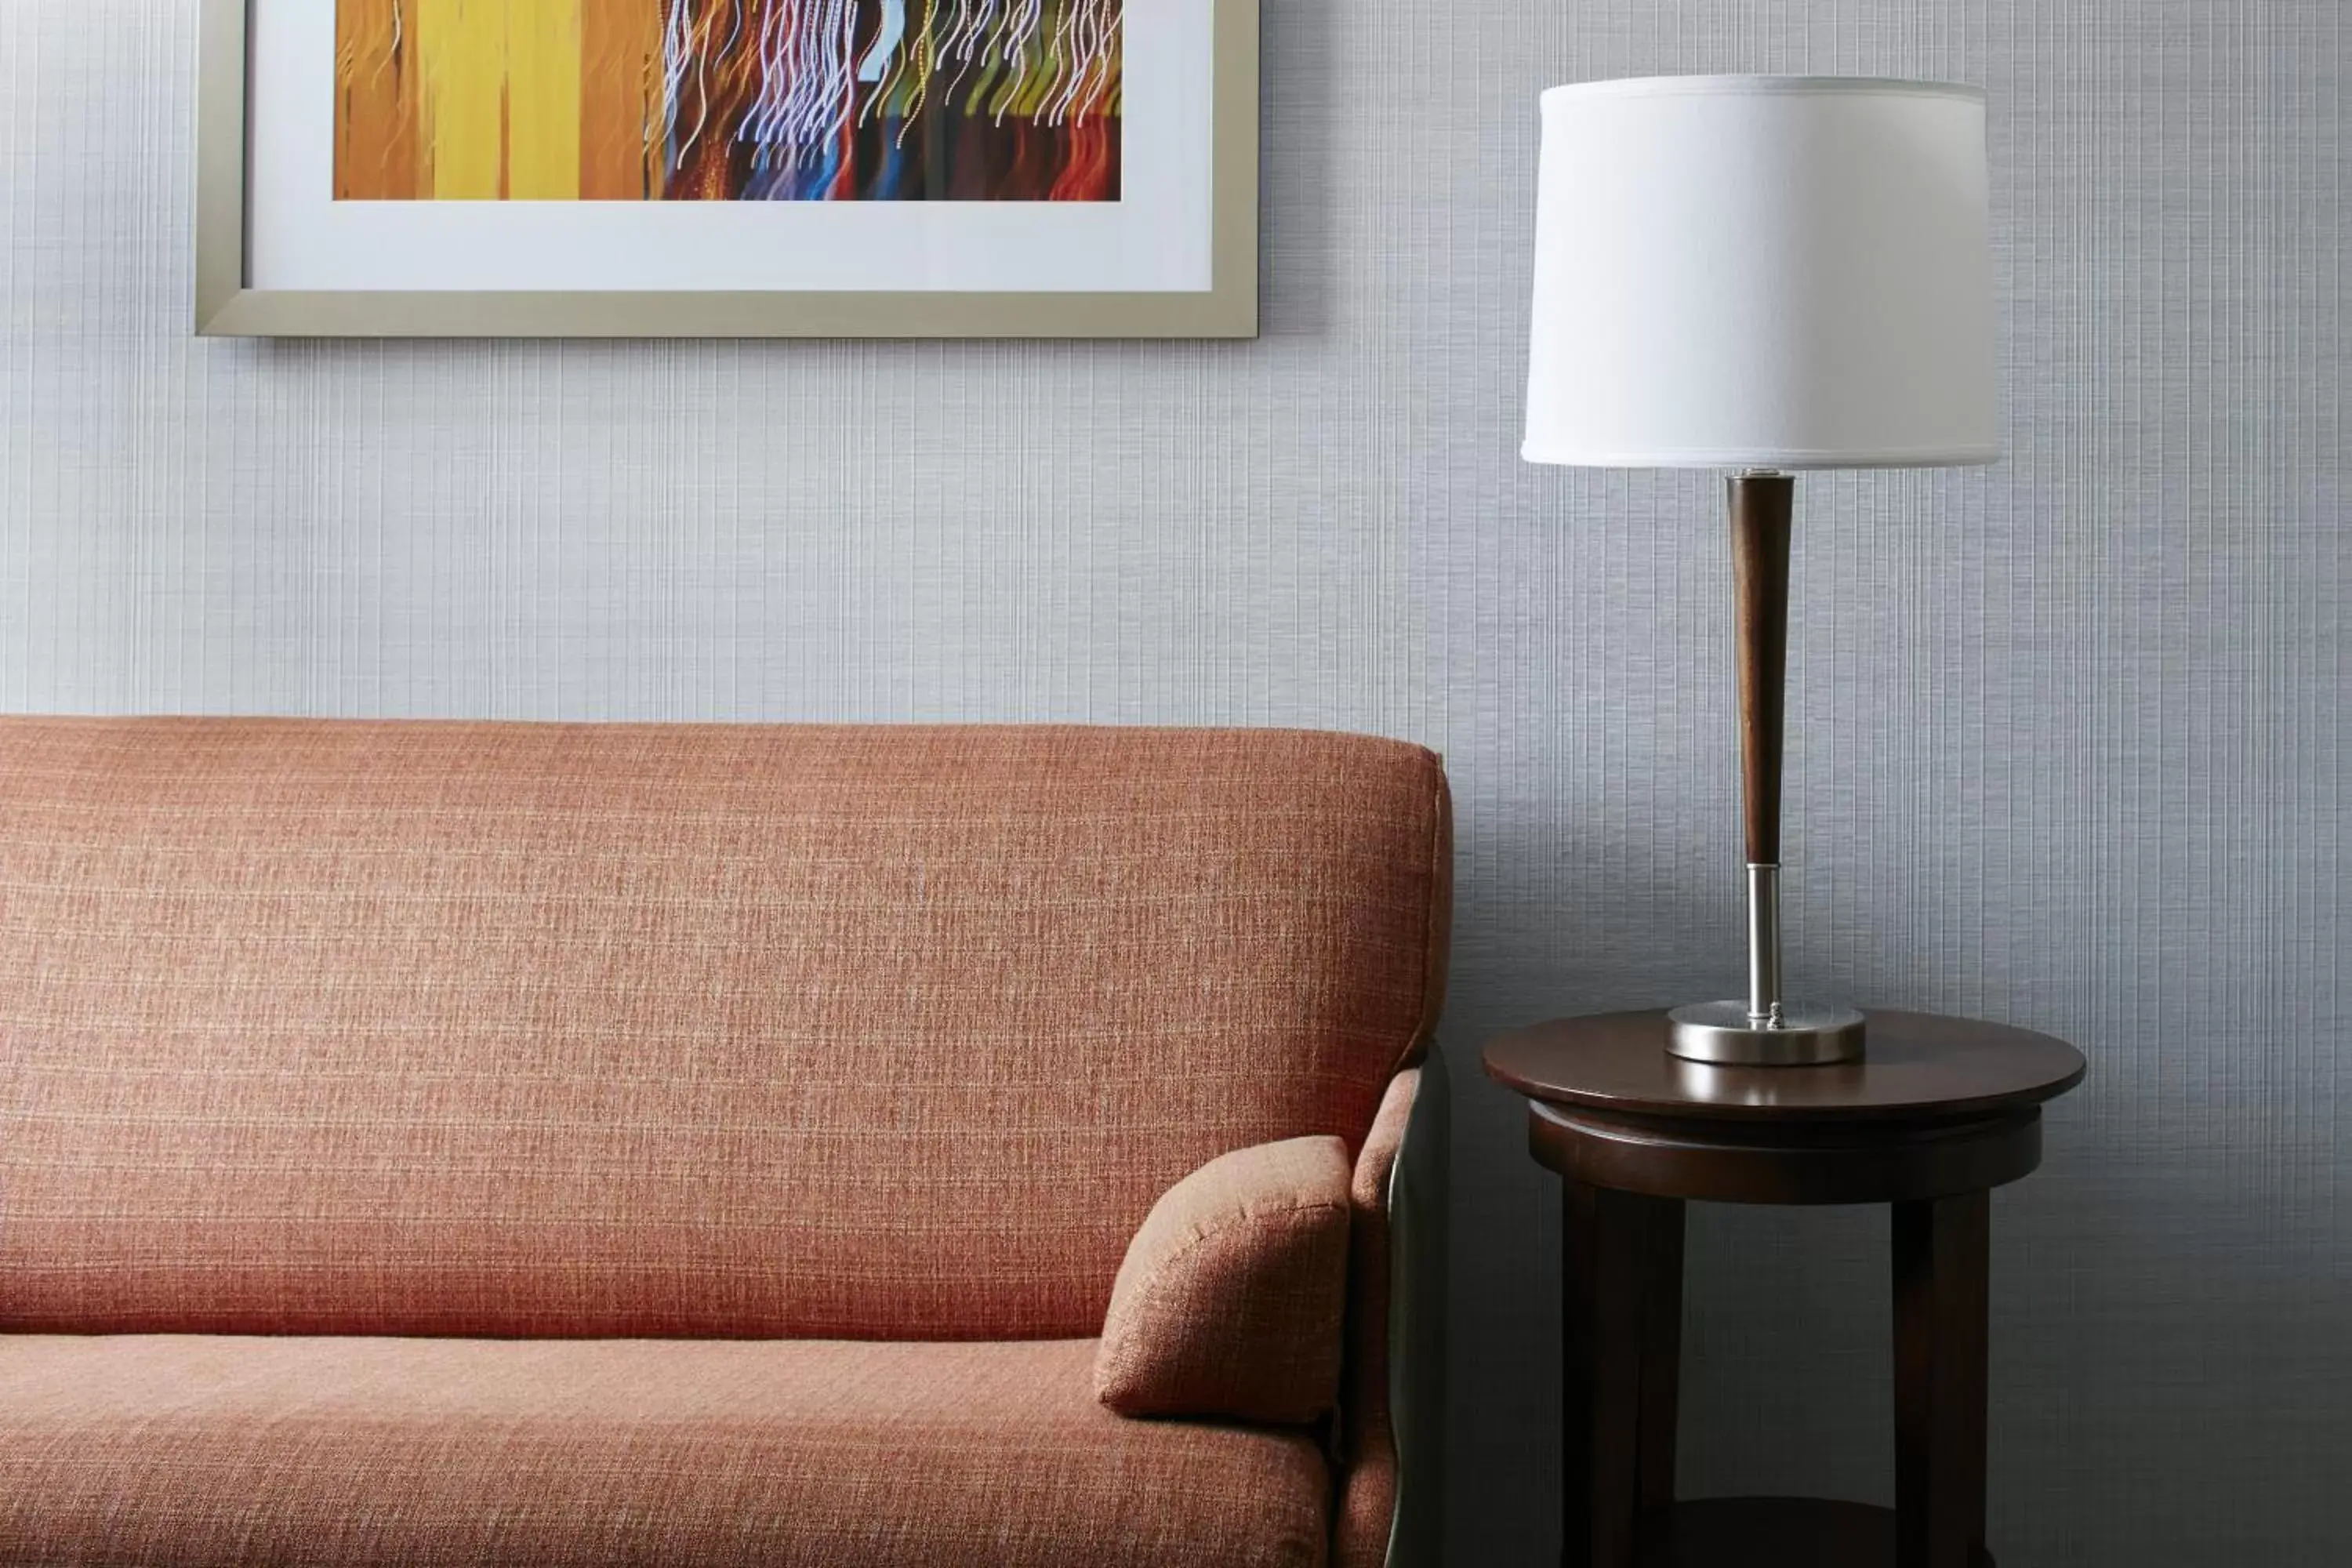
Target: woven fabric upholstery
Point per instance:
(333, 1452)
(1234, 1292)
(1366, 1507)
(615, 1031)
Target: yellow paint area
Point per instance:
(543, 100)
(499, 91)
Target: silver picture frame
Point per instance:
(227, 306)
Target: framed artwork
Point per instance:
(727, 168)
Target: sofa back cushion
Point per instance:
(403, 1029)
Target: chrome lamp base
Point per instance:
(1800, 1035)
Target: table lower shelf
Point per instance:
(1771, 1532)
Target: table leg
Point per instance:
(1942, 1252)
(1621, 1342)
(1662, 1351)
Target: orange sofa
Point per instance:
(472, 1143)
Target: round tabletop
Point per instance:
(1916, 1067)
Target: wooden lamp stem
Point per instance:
(1762, 508)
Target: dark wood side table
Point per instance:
(1940, 1112)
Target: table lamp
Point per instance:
(1760, 274)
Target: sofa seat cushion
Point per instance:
(197, 1450)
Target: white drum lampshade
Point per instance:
(1762, 272)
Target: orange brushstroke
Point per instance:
(621, 102)
(376, 151)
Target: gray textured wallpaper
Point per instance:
(2069, 736)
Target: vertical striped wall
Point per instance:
(2069, 732)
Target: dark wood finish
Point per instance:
(1661, 1352)
(1762, 508)
(1773, 1532)
(1942, 1251)
(1942, 1112)
(1622, 1293)
(1819, 1163)
(1919, 1066)
(1581, 1354)
(1615, 1497)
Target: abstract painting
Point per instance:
(729, 100)
(727, 168)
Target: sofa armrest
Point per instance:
(1233, 1298)
(1391, 1503)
